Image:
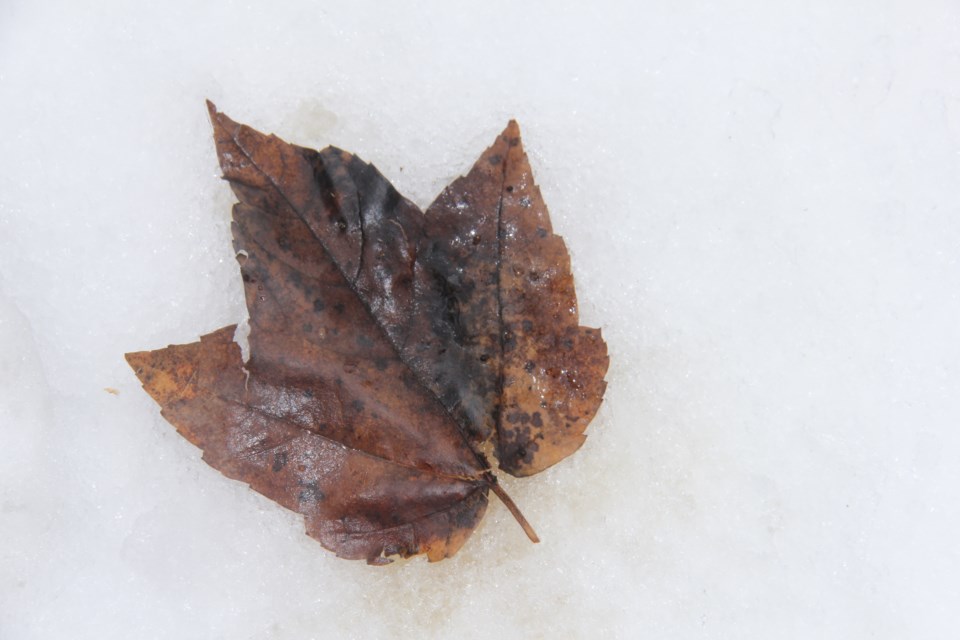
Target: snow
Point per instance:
(761, 204)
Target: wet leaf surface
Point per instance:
(388, 347)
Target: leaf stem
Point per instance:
(511, 505)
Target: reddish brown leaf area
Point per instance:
(386, 346)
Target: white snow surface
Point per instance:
(762, 205)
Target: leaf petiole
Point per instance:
(511, 505)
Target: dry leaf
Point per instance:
(387, 346)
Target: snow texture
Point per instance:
(761, 202)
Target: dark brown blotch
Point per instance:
(310, 492)
(364, 341)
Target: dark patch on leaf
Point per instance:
(311, 492)
(364, 341)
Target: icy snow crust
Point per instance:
(762, 209)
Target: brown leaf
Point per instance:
(387, 346)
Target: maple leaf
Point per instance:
(387, 346)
